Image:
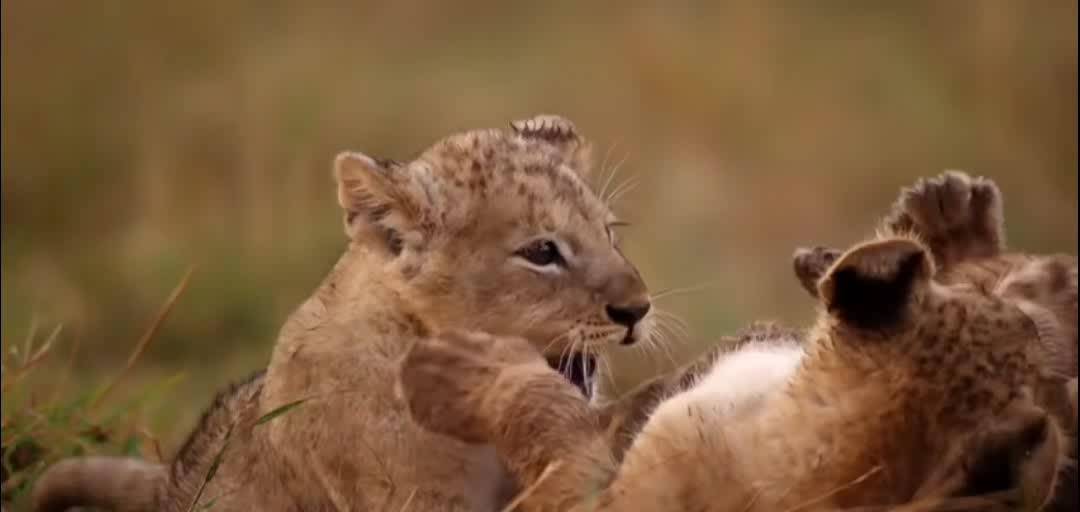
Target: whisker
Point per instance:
(607, 369)
(666, 349)
(683, 289)
(666, 332)
(562, 354)
(674, 325)
(678, 334)
(596, 380)
(611, 178)
(578, 347)
(645, 348)
(659, 347)
(566, 359)
(554, 341)
(584, 354)
(638, 349)
(622, 189)
(664, 341)
(668, 315)
(566, 351)
(604, 171)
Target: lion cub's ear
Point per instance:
(573, 149)
(382, 202)
(872, 285)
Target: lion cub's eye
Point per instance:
(541, 253)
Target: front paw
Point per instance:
(447, 381)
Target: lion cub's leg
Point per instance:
(959, 217)
(483, 389)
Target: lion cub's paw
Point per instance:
(447, 379)
(811, 264)
(959, 216)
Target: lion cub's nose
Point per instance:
(628, 315)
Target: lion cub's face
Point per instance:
(498, 231)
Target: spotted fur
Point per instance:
(914, 392)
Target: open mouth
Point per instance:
(578, 368)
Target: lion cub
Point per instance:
(962, 221)
(908, 390)
(492, 230)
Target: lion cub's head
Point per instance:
(499, 231)
(961, 366)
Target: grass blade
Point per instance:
(144, 342)
(279, 411)
(212, 471)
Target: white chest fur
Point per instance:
(738, 382)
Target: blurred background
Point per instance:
(141, 138)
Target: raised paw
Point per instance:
(960, 217)
(447, 380)
(811, 264)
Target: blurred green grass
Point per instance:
(141, 138)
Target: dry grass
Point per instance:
(38, 431)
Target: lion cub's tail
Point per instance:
(112, 483)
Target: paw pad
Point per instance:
(952, 202)
(958, 215)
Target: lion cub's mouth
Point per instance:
(578, 368)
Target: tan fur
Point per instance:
(133, 485)
(962, 217)
(623, 417)
(911, 391)
(435, 245)
(962, 220)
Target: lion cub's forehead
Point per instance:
(532, 180)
